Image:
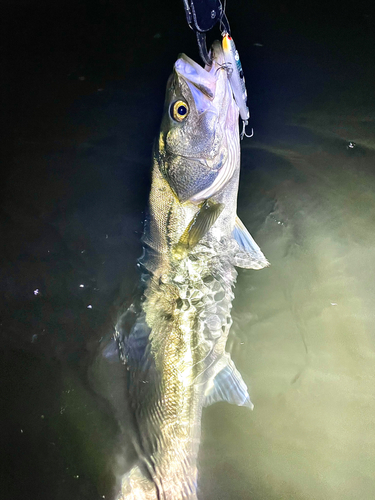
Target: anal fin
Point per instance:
(229, 386)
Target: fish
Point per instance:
(172, 338)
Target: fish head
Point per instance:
(199, 128)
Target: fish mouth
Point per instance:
(202, 81)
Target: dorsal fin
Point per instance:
(249, 255)
(229, 386)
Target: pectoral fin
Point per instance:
(228, 386)
(249, 255)
(199, 226)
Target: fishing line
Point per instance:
(222, 27)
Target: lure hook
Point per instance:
(243, 133)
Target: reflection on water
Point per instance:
(305, 333)
(303, 328)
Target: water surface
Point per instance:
(84, 110)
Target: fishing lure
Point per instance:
(236, 79)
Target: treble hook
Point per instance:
(243, 133)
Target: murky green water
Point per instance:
(303, 334)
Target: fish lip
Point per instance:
(195, 75)
(203, 78)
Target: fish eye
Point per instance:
(179, 111)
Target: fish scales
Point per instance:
(193, 239)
